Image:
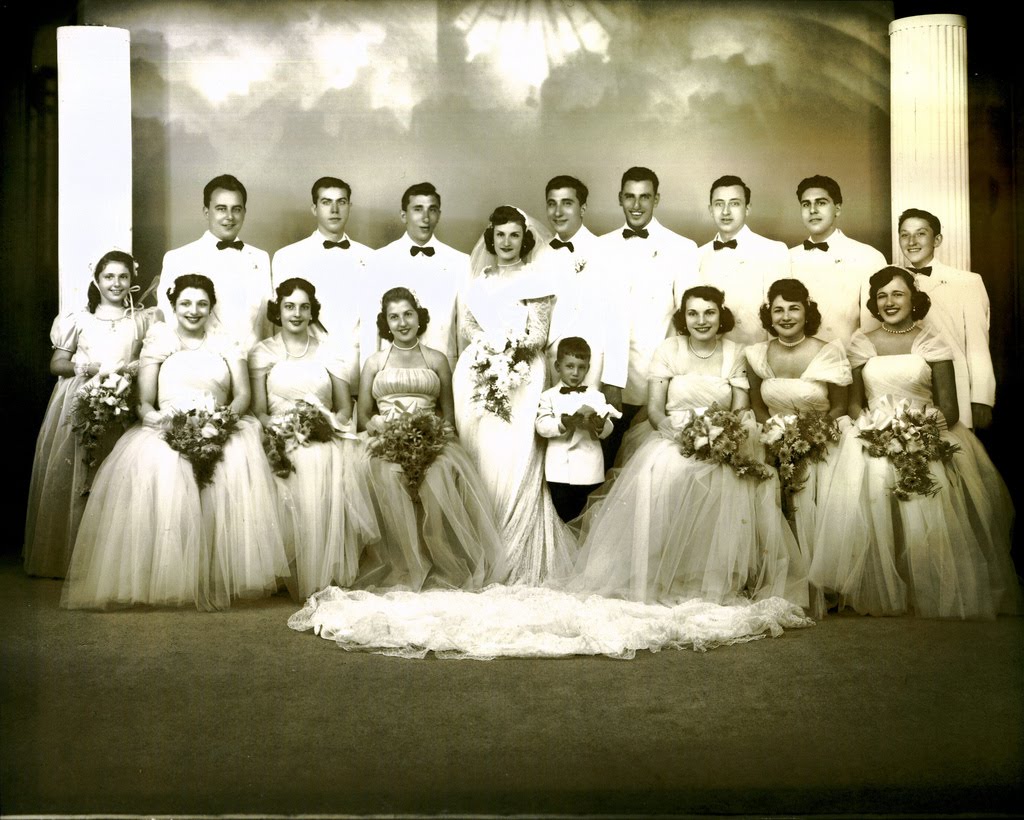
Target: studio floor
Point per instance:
(158, 712)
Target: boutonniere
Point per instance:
(580, 265)
(655, 254)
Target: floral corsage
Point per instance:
(716, 435)
(199, 434)
(910, 439)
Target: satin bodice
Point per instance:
(292, 380)
(101, 341)
(807, 392)
(691, 391)
(403, 389)
(893, 377)
(189, 376)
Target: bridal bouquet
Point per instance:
(499, 364)
(716, 435)
(910, 439)
(199, 434)
(307, 422)
(98, 406)
(794, 441)
(412, 440)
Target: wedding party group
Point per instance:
(625, 431)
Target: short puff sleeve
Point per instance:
(932, 346)
(828, 365)
(64, 332)
(734, 364)
(160, 342)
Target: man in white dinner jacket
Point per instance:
(335, 264)
(240, 272)
(433, 271)
(738, 261)
(960, 311)
(649, 269)
(582, 307)
(834, 267)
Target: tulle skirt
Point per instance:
(150, 536)
(447, 536)
(669, 528)
(327, 513)
(521, 621)
(60, 484)
(945, 555)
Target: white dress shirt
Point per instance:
(838, 281)
(241, 279)
(960, 313)
(435, 280)
(647, 278)
(572, 458)
(584, 307)
(744, 275)
(341, 278)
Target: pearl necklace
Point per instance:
(784, 343)
(695, 353)
(411, 347)
(888, 329)
(305, 350)
(186, 345)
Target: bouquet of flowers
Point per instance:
(98, 405)
(794, 441)
(716, 435)
(412, 440)
(199, 435)
(499, 364)
(308, 421)
(910, 439)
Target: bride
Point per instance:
(497, 384)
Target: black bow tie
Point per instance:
(223, 243)
(815, 246)
(564, 389)
(343, 244)
(558, 243)
(415, 249)
(730, 244)
(643, 233)
(926, 270)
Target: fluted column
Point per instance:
(929, 127)
(94, 150)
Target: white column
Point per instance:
(928, 118)
(94, 149)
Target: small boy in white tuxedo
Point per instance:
(572, 417)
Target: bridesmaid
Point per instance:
(443, 534)
(325, 498)
(151, 533)
(88, 345)
(796, 372)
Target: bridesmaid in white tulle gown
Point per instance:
(670, 527)
(943, 554)
(509, 301)
(88, 346)
(795, 372)
(325, 500)
(442, 535)
(149, 534)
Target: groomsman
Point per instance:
(835, 268)
(240, 273)
(434, 271)
(738, 261)
(334, 264)
(960, 311)
(582, 307)
(653, 267)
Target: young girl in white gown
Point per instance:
(939, 555)
(325, 500)
(445, 534)
(795, 372)
(670, 527)
(149, 535)
(88, 345)
(510, 300)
